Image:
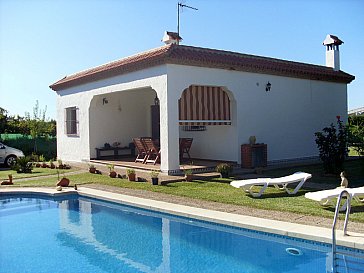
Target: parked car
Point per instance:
(8, 155)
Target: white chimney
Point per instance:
(332, 43)
(171, 38)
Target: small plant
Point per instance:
(60, 164)
(188, 174)
(252, 140)
(43, 160)
(154, 174)
(224, 169)
(130, 171)
(51, 164)
(91, 168)
(187, 171)
(23, 165)
(112, 173)
(34, 157)
(131, 174)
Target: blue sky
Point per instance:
(41, 41)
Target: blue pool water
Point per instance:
(41, 234)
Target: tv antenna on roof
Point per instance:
(180, 6)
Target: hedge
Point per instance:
(46, 146)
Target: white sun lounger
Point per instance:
(328, 197)
(280, 183)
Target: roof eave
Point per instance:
(212, 58)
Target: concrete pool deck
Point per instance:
(309, 232)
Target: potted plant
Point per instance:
(131, 174)
(224, 169)
(37, 164)
(60, 164)
(112, 173)
(51, 164)
(188, 175)
(154, 175)
(252, 140)
(43, 160)
(91, 168)
(8, 182)
(64, 182)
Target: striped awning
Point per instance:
(204, 105)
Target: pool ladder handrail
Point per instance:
(337, 209)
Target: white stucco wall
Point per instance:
(89, 96)
(285, 118)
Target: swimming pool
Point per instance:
(78, 234)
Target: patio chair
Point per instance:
(184, 147)
(153, 151)
(328, 197)
(142, 150)
(280, 183)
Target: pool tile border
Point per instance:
(306, 232)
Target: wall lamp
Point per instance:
(105, 101)
(156, 100)
(268, 86)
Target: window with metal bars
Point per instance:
(71, 121)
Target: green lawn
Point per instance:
(219, 190)
(35, 172)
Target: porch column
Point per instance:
(169, 129)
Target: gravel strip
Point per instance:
(267, 214)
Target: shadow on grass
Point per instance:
(354, 209)
(278, 194)
(221, 180)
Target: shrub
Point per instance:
(47, 146)
(332, 145)
(23, 165)
(356, 134)
(224, 169)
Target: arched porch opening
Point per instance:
(206, 114)
(118, 117)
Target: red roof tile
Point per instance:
(204, 57)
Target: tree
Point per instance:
(356, 134)
(3, 120)
(37, 124)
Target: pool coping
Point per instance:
(319, 234)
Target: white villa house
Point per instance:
(218, 98)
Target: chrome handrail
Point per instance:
(347, 207)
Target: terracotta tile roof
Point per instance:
(204, 57)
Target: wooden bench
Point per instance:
(127, 152)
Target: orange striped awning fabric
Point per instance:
(204, 105)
